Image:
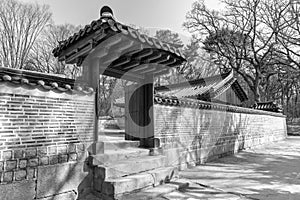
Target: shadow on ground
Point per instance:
(271, 172)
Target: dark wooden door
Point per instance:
(139, 113)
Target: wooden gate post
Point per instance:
(92, 76)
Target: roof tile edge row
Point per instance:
(198, 104)
(52, 86)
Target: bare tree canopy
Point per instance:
(288, 35)
(246, 36)
(41, 58)
(259, 39)
(20, 25)
(198, 64)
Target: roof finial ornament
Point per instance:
(106, 12)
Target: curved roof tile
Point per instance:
(198, 104)
(200, 88)
(116, 27)
(45, 81)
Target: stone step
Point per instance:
(129, 166)
(116, 187)
(120, 132)
(106, 145)
(116, 155)
(115, 145)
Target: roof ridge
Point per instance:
(193, 82)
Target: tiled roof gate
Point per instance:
(123, 51)
(110, 48)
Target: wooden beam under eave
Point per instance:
(123, 75)
(100, 34)
(107, 60)
(169, 62)
(81, 52)
(142, 54)
(121, 62)
(154, 57)
(161, 72)
(122, 46)
(145, 68)
(61, 58)
(151, 69)
(100, 54)
(131, 65)
(78, 44)
(140, 68)
(74, 51)
(113, 40)
(127, 53)
(163, 59)
(178, 62)
(103, 49)
(136, 50)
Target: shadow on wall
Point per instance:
(192, 136)
(219, 134)
(65, 181)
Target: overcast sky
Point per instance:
(169, 14)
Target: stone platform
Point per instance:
(122, 167)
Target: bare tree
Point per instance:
(106, 95)
(173, 39)
(288, 35)
(240, 36)
(41, 57)
(20, 25)
(198, 63)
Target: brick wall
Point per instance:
(191, 135)
(42, 130)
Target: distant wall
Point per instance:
(293, 127)
(44, 141)
(192, 132)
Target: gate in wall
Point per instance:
(110, 48)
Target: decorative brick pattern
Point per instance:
(22, 164)
(6, 155)
(11, 165)
(8, 177)
(44, 161)
(31, 173)
(20, 175)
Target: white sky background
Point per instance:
(165, 14)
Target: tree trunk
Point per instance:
(295, 105)
(256, 94)
(256, 91)
(287, 106)
(282, 99)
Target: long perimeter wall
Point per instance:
(192, 132)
